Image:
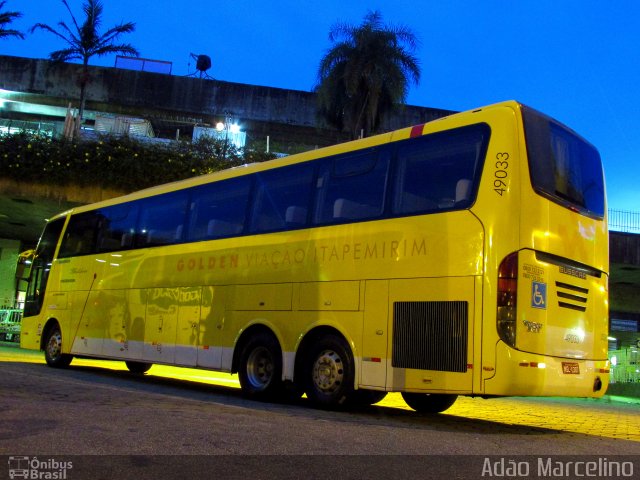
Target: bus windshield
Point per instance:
(564, 167)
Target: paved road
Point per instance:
(97, 408)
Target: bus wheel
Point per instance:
(138, 367)
(329, 374)
(260, 371)
(53, 349)
(429, 402)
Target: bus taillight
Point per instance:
(508, 298)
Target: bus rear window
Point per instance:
(564, 167)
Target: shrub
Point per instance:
(120, 163)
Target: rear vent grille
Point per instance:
(572, 296)
(430, 335)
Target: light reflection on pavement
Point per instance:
(610, 417)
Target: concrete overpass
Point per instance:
(42, 90)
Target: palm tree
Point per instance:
(85, 41)
(5, 19)
(365, 74)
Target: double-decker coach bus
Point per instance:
(465, 256)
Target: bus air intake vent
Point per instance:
(571, 296)
(430, 335)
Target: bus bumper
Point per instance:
(527, 374)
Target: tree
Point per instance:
(5, 19)
(365, 74)
(85, 41)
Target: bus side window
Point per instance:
(282, 198)
(351, 187)
(439, 171)
(162, 219)
(219, 209)
(117, 227)
(80, 236)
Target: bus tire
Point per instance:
(429, 402)
(138, 368)
(260, 368)
(53, 349)
(329, 372)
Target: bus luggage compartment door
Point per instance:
(431, 324)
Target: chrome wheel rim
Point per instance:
(260, 368)
(328, 372)
(54, 346)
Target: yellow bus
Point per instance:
(464, 256)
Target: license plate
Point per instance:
(571, 368)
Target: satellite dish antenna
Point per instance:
(203, 63)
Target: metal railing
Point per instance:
(624, 221)
(17, 126)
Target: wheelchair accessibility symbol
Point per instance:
(539, 295)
